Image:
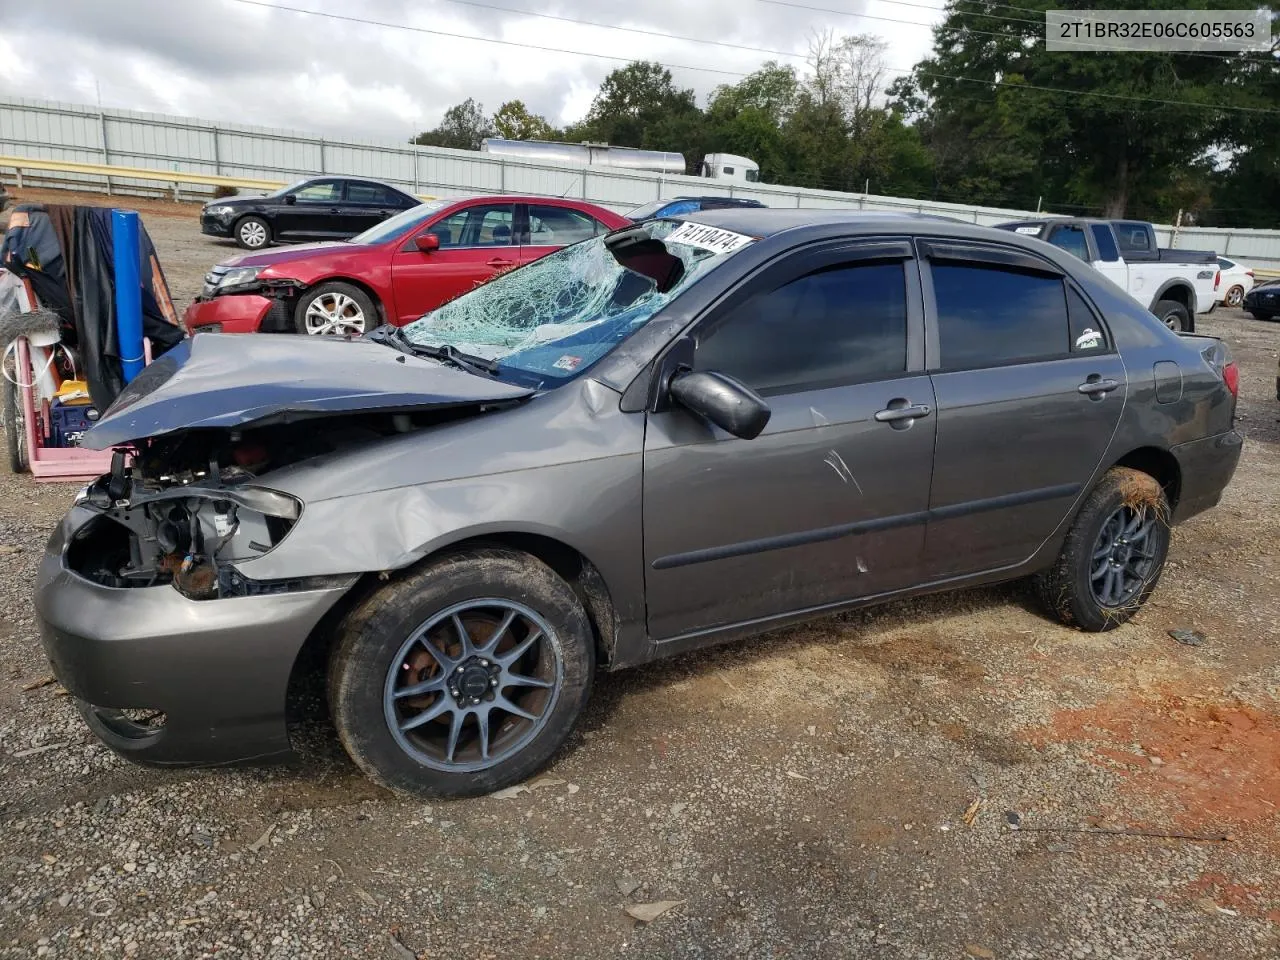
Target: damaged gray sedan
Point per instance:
(671, 436)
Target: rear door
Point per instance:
(367, 204)
(476, 242)
(548, 227)
(1107, 260)
(828, 503)
(1029, 391)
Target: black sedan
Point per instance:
(1264, 301)
(325, 208)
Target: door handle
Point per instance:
(900, 410)
(1096, 387)
(499, 262)
(333, 209)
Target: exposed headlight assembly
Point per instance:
(238, 279)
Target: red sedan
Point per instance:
(395, 271)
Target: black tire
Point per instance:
(375, 646)
(1264, 317)
(15, 438)
(1173, 315)
(350, 309)
(1067, 588)
(252, 233)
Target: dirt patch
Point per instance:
(1216, 762)
(921, 654)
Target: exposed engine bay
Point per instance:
(183, 508)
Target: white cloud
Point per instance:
(233, 62)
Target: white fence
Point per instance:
(47, 130)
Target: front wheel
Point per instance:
(335, 309)
(253, 233)
(1113, 554)
(463, 677)
(1173, 315)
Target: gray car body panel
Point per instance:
(811, 517)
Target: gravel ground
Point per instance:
(845, 789)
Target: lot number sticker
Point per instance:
(707, 238)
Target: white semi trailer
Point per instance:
(714, 166)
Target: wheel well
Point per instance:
(359, 284)
(307, 679)
(1157, 463)
(1179, 293)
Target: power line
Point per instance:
(601, 56)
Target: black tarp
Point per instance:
(79, 284)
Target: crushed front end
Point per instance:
(172, 655)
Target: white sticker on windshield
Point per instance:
(1032, 231)
(707, 238)
(1088, 340)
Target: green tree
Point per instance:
(639, 105)
(514, 122)
(462, 128)
(998, 136)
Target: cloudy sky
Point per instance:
(252, 62)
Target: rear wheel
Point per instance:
(15, 427)
(1235, 296)
(335, 309)
(1173, 315)
(1113, 554)
(463, 677)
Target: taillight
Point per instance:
(1217, 279)
(1231, 377)
(1249, 274)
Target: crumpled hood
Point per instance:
(228, 380)
(289, 254)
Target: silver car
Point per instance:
(678, 434)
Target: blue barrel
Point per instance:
(127, 253)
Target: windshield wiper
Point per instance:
(394, 337)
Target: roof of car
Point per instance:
(767, 221)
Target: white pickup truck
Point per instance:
(1175, 285)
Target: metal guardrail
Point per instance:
(175, 177)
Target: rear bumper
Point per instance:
(1206, 466)
(217, 669)
(233, 313)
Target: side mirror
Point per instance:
(730, 405)
(290, 199)
(427, 242)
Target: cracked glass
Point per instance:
(553, 318)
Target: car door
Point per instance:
(1029, 391)
(367, 204)
(314, 214)
(476, 242)
(828, 503)
(547, 227)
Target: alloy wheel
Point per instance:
(473, 685)
(1235, 296)
(253, 234)
(334, 313)
(1122, 557)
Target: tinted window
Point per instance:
(325, 191)
(484, 225)
(1105, 241)
(1225, 264)
(753, 176)
(559, 226)
(371, 193)
(835, 326)
(1133, 237)
(1072, 240)
(728, 171)
(988, 316)
(1087, 335)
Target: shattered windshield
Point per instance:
(555, 317)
